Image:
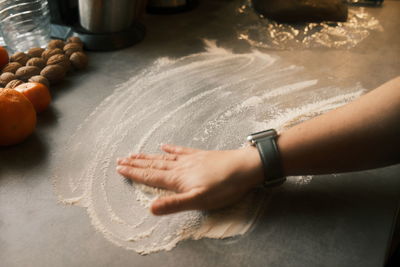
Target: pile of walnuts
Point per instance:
(47, 66)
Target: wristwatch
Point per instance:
(265, 142)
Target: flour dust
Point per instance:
(208, 100)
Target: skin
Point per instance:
(361, 135)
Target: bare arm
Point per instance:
(361, 135)
(364, 134)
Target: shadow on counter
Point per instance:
(32, 151)
(24, 156)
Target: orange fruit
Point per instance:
(3, 57)
(17, 117)
(37, 93)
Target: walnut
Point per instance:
(53, 73)
(39, 79)
(75, 39)
(12, 67)
(24, 73)
(14, 83)
(56, 44)
(79, 60)
(6, 77)
(37, 62)
(61, 60)
(71, 48)
(35, 52)
(51, 52)
(19, 57)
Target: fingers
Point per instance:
(147, 176)
(154, 156)
(178, 150)
(147, 163)
(172, 150)
(175, 203)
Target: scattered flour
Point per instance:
(209, 100)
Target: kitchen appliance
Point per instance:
(170, 6)
(102, 24)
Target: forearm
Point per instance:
(361, 135)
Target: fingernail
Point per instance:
(120, 168)
(156, 211)
(119, 160)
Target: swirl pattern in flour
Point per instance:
(209, 100)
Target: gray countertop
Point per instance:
(342, 220)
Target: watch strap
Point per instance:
(271, 160)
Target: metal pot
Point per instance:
(167, 3)
(170, 6)
(108, 16)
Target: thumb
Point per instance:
(175, 203)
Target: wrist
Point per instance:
(251, 164)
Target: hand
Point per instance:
(201, 179)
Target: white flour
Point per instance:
(209, 100)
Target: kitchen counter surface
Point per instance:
(341, 220)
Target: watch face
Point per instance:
(253, 137)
